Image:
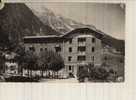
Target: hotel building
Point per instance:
(78, 47)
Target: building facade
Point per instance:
(78, 48)
(11, 66)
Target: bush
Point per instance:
(83, 73)
(99, 73)
(94, 73)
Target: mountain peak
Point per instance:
(57, 22)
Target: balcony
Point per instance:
(81, 53)
(81, 43)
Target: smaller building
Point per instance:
(11, 66)
(114, 60)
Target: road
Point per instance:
(70, 80)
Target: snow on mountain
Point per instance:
(57, 22)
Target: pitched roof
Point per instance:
(56, 38)
(96, 33)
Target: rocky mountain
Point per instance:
(57, 22)
(17, 20)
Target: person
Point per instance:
(71, 75)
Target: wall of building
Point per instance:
(71, 66)
(88, 52)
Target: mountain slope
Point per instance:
(17, 20)
(119, 45)
(57, 22)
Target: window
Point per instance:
(105, 58)
(121, 60)
(69, 58)
(70, 41)
(81, 39)
(92, 58)
(31, 48)
(70, 49)
(58, 49)
(41, 49)
(93, 40)
(70, 67)
(81, 48)
(81, 58)
(45, 49)
(93, 49)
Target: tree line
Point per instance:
(44, 62)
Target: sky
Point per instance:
(109, 18)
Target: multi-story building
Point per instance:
(78, 47)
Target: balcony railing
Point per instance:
(81, 52)
(81, 43)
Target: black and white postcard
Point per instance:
(67, 50)
(62, 42)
